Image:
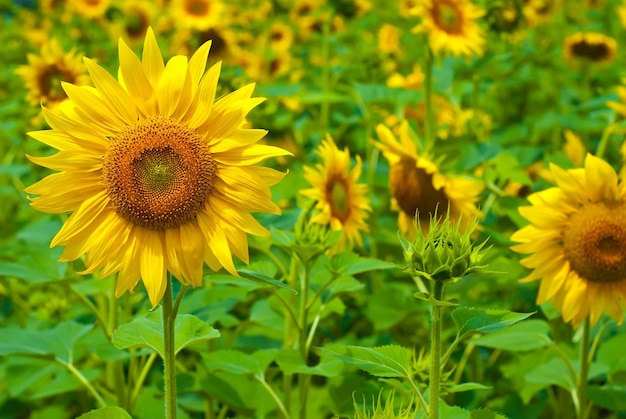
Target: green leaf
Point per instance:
(351, 264)
(611, 396)
(458, 388)
(235, 362)
(290, 361)
(255, 276)
(381, 361)
(612, 353)
(147, 331)
(525, 336)
(57, 342)
(470, 320)
(553, 372)
(109, 412)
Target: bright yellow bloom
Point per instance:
(136, 17)
(389, 39)
(589, 47)
(577, 242)
(574, 148)
(539, 12)
(280, 37)
(159, 177)
(44, 73)
(340, 199)
(451, 26)
(417, 186)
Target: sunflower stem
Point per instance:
(169, 357)
(435, 351)
(583, 409)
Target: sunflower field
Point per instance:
(313, 209)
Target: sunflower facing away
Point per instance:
(451, 26)
(417, 186)
(340, 199)
(44, 73)
(577, 241)
(159, 177)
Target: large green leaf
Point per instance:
(351, 264)
(109, 412)
(237, 362)
(525, 336)
(147, 331)
(381, 361)
(610, 396)
(471, 320)
(290, 361)
(57, 342)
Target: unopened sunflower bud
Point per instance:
(443, 253)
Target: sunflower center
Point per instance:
(591, 51)
(413, 189)
(337, 195)
(158, 173)
(447, 16)
(595, 242)
(50, 82)
(197, 7)
(136, 23)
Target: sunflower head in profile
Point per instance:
(158, 175)
(577, 242)
(340, 198)
(589, 47)
(44, 73)
(417, 186)
(451, 26)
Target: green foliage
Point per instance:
(109, 412)
(148, 332)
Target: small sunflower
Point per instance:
(451, 26)
(539, 12)
(621, 13)
(199, 14)
(619, 107)
(159, 177)
(389, 39)
(417, 186)
(577, 242)
(280, 37)
(136, 17)
(589, 47)
(44, 73)
(340, 198)
(91, 9)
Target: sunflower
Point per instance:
(539, 12)
(389, 39)
(340, 198)
(280, 37)
(577, 238)
(589, 47)
(136, 17)
(91, 9)
(417, 186)
(199, 14)
(451, 26)
(158, 176)
(43, 74)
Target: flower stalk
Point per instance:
(583, 409)
(169, 356)
(435, 351)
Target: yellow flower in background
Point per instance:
(621, 13)
(539, 12)
(413, 80)
(577, 242)
(159, 177)
(619, 107)
(451, 26)
(417, 185)
(389, 39)
(199, 14)
(135, 19)
(340, 198)
(574, 148)
(280, 36)
(91, 9)
(589, 47)
(44, 73)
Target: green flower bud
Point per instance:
(443, 253)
